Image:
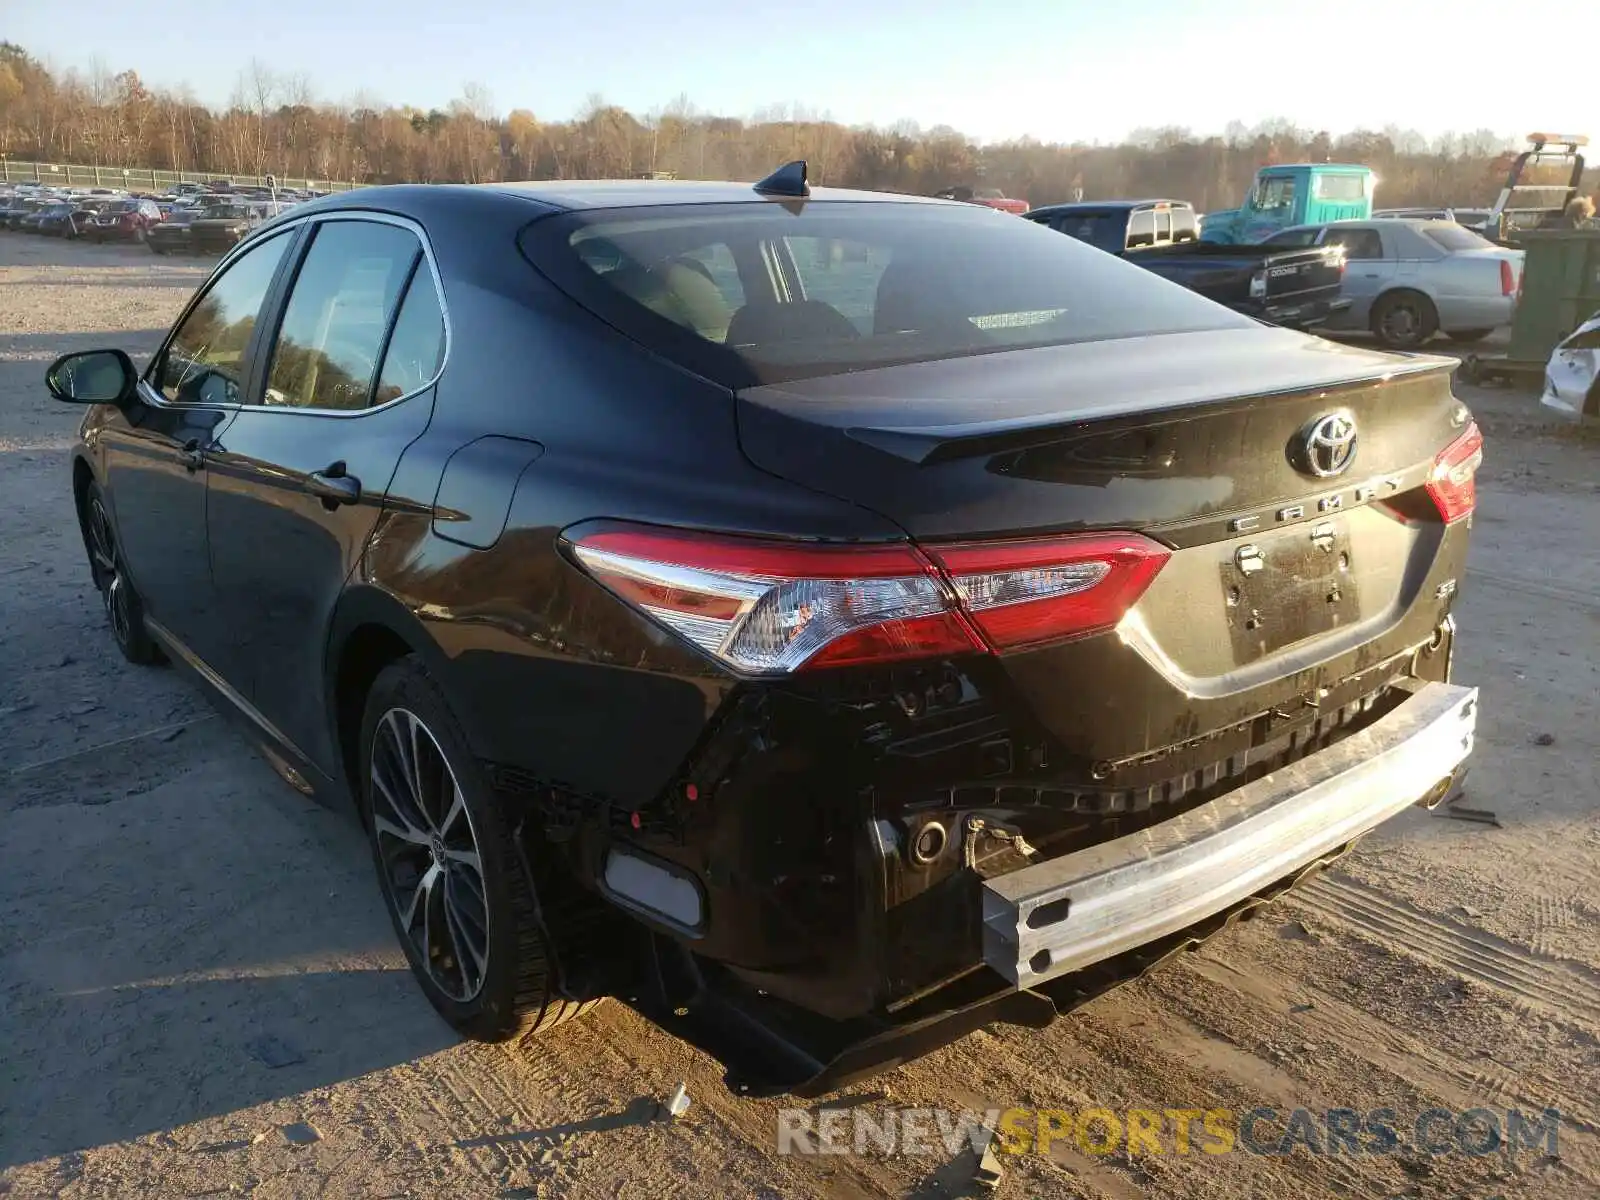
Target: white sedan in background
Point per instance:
(1409, 279)
(1572, 376)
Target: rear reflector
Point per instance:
(772, 608)
(1453, 482)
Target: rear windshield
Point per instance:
(754, 293)
(1453, 237)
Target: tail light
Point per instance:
(1508, 278)
(1453, 482)
(772, 608)
(1024, 593)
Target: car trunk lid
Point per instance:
(1293, 564)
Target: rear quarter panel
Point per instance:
(1466, 290)
(549, 673)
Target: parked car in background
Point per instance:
(172, 234)
(1475, 219)
(1407, 280)
(125, 221)
(1572, 376)
(68, 219)
(29, 221)
(990, 197)
(11, 216)
(222, 226)
(832, 622)
(1293, 194)
(1299, 289)
(1116, 226)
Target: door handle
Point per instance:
(334, 486)
(192, 456)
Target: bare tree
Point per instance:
(274, 122)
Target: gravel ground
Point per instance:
(200, 995)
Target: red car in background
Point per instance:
(991, 197)
(123, 221)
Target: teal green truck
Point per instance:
(1293, 194)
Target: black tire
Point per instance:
(1404, 320)
(511, 992)
(1468, 335)
(124, 609)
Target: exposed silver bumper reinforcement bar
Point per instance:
(1084, 907)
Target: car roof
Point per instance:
(579, 194)
(637, 193)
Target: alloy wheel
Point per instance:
(107, 572)
(428, 853)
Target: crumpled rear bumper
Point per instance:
(1085, 907)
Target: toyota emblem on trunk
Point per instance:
(1328, 444)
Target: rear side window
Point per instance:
(348, 286)
(1339, 187)
(842, 286)
(1106, 229)
(1453, 238)
(1141, 229)
(1357, 243)
(416, 348)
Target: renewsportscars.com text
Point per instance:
(1103, 1131)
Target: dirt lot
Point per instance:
(200, 994)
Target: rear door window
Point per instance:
(1357, 243)
(416, 347)
(347, 289)
(843, 274)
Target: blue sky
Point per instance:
(1058, 70)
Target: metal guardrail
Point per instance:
(143, 178)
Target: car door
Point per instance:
(1369, 270)
(154, 451)
(299, 479)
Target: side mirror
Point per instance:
(92, 377)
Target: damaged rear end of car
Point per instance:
(1167, 626)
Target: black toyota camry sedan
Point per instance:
(827, 621)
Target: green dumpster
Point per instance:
(1560, 290)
